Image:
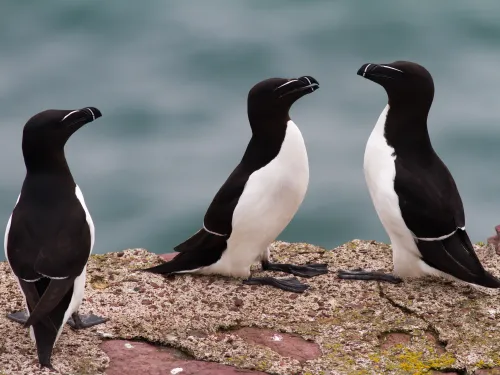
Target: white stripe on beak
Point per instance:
(366, 69)
(93, 116)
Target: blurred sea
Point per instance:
(171, 78)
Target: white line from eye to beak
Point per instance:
(366, 69)
(390, 67)
(64, 118)
(293, 80)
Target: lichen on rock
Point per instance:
(336, 327)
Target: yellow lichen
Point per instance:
(480, 364)
(405, 361)
(351, 245)
(495, 358)
(98, 282)
(84, 366)
(100, 257)
(237, 359)
(360, 372)
(263, 365)
(242, 360)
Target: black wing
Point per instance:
(432, 208)
(428, 198)
(219, 216)
(48, 241)
(201, 250)
(206, 246)
(455, 256)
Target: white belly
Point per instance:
(79, 284)
(380, 171)
(271, 197)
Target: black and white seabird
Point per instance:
(412, 190)
(50, 234)
(259, 198)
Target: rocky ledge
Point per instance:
(213, 325)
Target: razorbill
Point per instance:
(259, 198)
(412, 190)
(50, 234)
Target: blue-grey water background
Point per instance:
(171, 78)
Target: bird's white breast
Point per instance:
(271, 197)
(79, 283)
(380, 172)
(79, 195)
(7, 230)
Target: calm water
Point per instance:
(171, 79)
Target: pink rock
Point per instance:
(168, 256)
(395, 338)
(133, 358)
(284, 344)
(488, 371)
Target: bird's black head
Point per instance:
(270, 100)
(46, 133)
(403, 81)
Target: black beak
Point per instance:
(92, 113)
(74, 120)
(304, 85)
(379, 72)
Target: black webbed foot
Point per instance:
(360, 274)
(18, 317)
(85, 321)
(291, 284)
(307, 270)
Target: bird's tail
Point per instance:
(50, 299)
(45, 325)
(200, 250)
(489, 281)
(196, 240)
(176, 265)
(456, 257)
(45, 338)
(163, 269)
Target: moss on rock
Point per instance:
(440, 325)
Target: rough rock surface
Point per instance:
(170, 325)
(152, 360)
